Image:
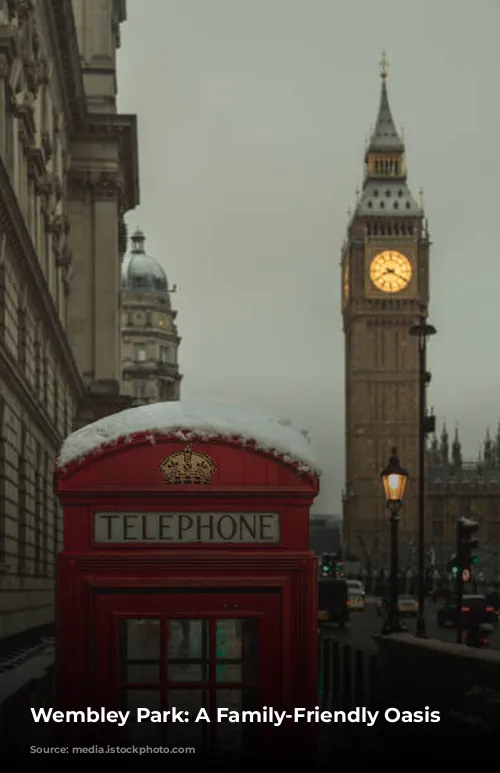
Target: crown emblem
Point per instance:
(187, 466)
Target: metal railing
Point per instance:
(348, 676)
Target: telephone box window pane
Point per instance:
(234, 736)
(188, 644)
(141, 699)
(143, 640)
(139, 650)
(142, 673)
(141, 732)
(237, 653)
(188, 734)
(228, 672)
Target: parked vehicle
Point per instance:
(407, 606)
(355, 600)
(333, 602)
(475, 610)
(356, 586)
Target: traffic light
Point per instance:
(453, 566)
(329, 565)
(467, 543)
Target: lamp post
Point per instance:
(394, 479)
(426, 424)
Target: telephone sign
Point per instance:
(465, 575)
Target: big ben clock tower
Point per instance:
(385, 290)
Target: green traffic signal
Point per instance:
(475, 560)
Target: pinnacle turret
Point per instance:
(444, 446)
(456, 450)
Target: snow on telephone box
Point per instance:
(186, 568)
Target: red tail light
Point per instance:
(484, 642)
(490, 609)
(465, 609)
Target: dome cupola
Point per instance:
(141, 273)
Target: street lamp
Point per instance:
(422, 331)
(394, 479)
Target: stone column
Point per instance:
(105, 188)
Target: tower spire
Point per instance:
(385, 137)
(384, 65)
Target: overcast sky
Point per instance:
(253, 116)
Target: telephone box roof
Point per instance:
(194, 419)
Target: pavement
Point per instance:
(363, 626)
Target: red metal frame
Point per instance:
(278, 581)
(265, 608)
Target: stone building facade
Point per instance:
(150, 340)
(68, 175)
(458, 488)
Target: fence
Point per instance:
(348, 676)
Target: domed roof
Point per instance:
(141, 272)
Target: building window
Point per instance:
(140, 353)
(163, 353)
(40, 525)
(21, 336)
(139, 388)
(22, 526)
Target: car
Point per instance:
(333, 602)
(475, 608)
(356, 586)
(355, 600)
(407, 606)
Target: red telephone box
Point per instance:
(186, 579)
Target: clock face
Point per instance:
(390, 271)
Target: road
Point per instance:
(364, 625)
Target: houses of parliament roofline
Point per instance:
(447, 470)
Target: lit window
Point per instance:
(161, 322)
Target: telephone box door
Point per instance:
(189, 651)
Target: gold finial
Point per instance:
(384, 66)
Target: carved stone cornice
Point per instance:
(13, 225)
(24, 9)
(46, 145)
(36, 164)
(64, 257)
(67, 60)
(124, 129)
(105, 186)
(57, 187)
(55, 226)
(24, 109)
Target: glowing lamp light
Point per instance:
(394, 479)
